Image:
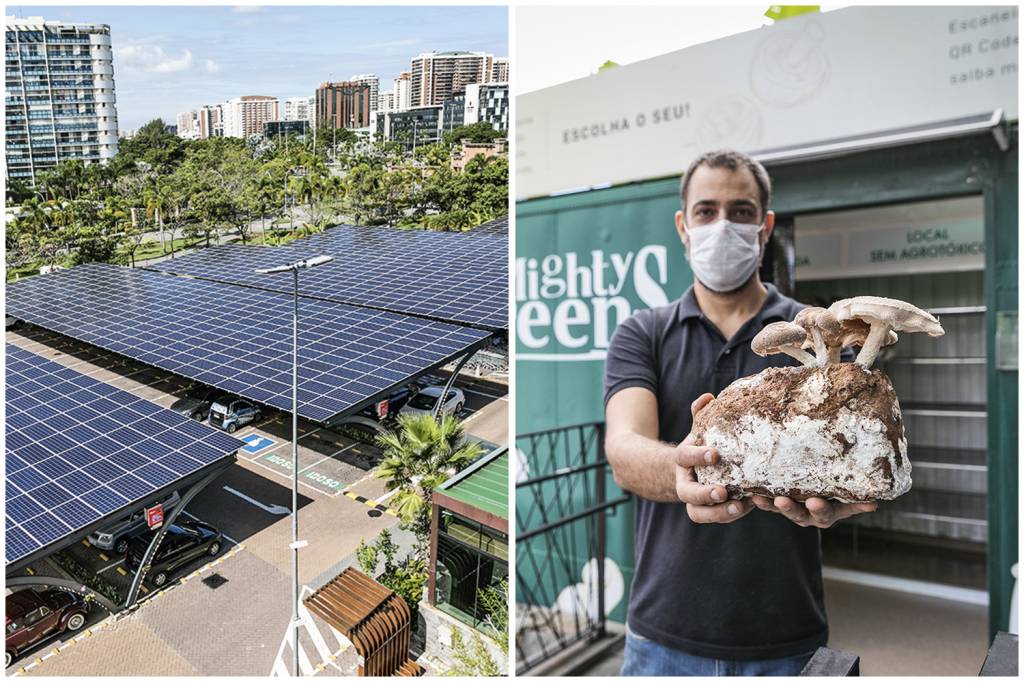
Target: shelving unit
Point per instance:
(939, 530)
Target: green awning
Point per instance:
(482, 486)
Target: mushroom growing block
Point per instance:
(833, 431)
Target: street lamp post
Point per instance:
(294, 268)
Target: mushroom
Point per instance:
(854, 332)
(883, 315)
(822, 328)
(782, 337)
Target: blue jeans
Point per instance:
(648, 658)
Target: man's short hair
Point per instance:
(733, 160)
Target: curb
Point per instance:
(370, 503)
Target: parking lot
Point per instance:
(339, 499)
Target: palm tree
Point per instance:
(159, 199)
(421, 454)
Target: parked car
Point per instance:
(196, 403)
(232, 413)
(424, 401)
(116, 536)
(184, 543)
(389, 407)
(33, 615)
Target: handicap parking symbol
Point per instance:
(256, 443)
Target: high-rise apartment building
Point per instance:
(188, 125)
(343, 105)
(385, 102)
(211, 121)
(436, 75)
(403, 91)
(59, 89)
(499, 72)
(245, 116)
(300, 109)
(374, 83)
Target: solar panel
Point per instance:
(497, 226)
(441, 275)
(78, 449)
(238, 339)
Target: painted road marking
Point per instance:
(370, 503)
(122, 571)
(256, 442)
(113, 565)
(104, 556)
(271, 508)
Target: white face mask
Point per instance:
(723, 255)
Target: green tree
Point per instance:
(153, 145)
(405, 578)
(418, 456)
(481, 131)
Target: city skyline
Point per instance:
(173, 59)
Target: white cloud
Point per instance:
(152, 59)
(212, 66)
(242, 9)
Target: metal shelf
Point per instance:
(966, 410)
(958, 310)
(935, 361)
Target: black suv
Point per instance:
(184, 543)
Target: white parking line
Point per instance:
(494, 396)
(113, 565)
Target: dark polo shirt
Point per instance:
(747, 590)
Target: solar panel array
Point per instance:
(441, 275)
(497, 226)
(78, 449)
(239, 339)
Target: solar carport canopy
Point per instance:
(239, 339)
(446, 276)
(79, 452)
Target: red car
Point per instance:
(34, 615)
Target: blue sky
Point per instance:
(171, 59)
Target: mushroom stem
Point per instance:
(872, 344)
(820, 350)
(800, 354)
(834, 355)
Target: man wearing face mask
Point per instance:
(717, 589)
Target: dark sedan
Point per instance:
(196, 403)
(35, 615)
(184, 543)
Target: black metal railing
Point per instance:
(561, 508)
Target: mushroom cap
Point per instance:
(777, 335)
(821, 319)
(899, 315)
(854, 331)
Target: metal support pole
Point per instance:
(448, 384)
(295, 478)
(147, 557)
(601, 520)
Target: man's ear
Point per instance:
(682, 230)
(769, 225)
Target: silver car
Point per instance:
(116, 536)
(424, 401)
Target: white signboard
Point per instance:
(817, 77)
(929, 236)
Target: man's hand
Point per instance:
(816, 511)
(704, 503)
